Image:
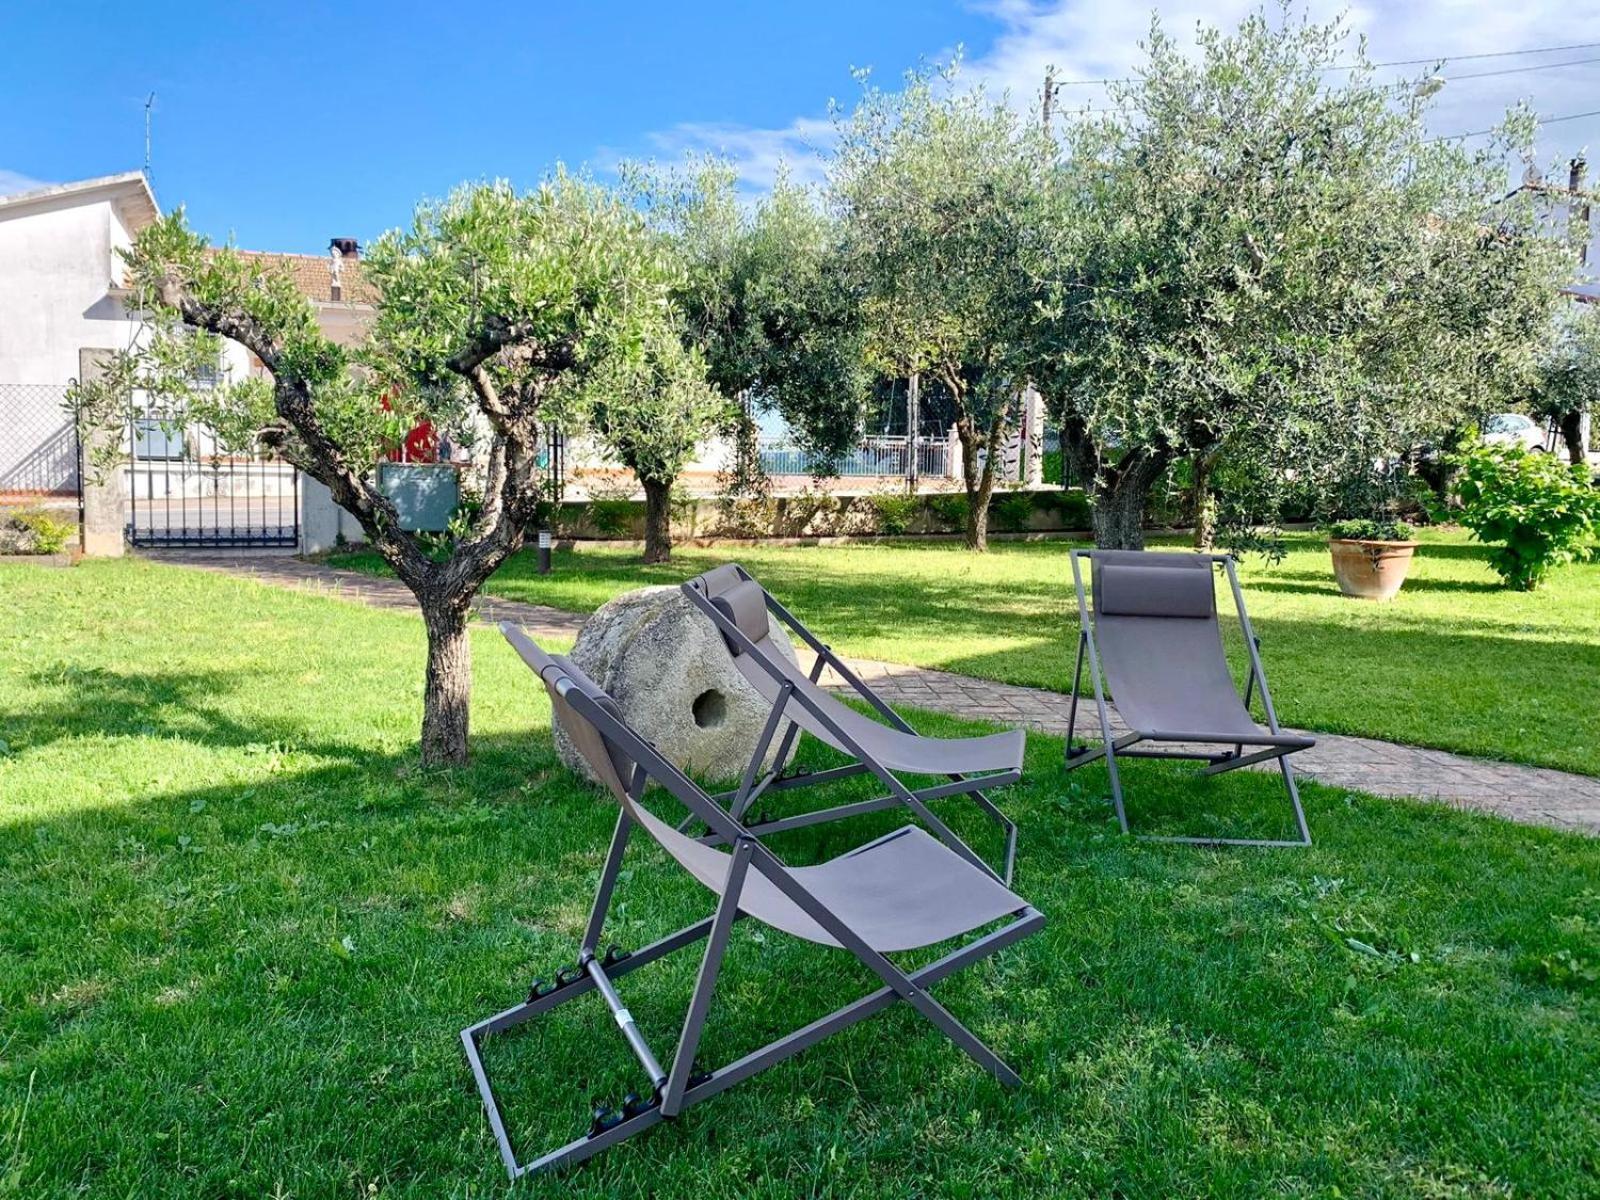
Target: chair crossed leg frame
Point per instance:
(1111, 748)
(684, 1084)
(751, 789)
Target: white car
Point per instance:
(1514, 429)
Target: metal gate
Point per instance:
(185, 489)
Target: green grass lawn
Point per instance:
(1454, 662)
(242, 930)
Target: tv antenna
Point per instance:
(149, 103)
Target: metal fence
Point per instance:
(39, 456)
(185, 489)
(878, 457)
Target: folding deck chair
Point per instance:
(739, 605)
(1154, 638)
(903, 891)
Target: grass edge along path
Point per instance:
(1534, 795)
(1455, 662)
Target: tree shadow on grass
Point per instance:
(93, 702)
(272, 971)
(1321, 585)
(1471, 689)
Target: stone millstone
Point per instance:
(666, 666)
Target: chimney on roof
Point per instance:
(345, 247)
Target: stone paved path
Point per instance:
(1535, 795)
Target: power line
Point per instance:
(1418, 62)
(1571, 62)
(1450, 137)
(1404, 62)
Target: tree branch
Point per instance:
(324, 460)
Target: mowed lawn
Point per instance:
(242, 930)
(1454, 662)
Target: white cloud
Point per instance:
(1089, 39)
(12, 182)
(759, 154)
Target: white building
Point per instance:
(62, 291)
(61, 276)
(1570, 213)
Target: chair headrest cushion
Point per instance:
(745, 604)
(718, 580)
(1127, 591)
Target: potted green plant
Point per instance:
(1370, 556)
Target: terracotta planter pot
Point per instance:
(1370, 570)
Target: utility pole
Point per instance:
(149, 103)
(913, 424)
(1049, 96)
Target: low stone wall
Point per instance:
(811, 515)
(807, 516)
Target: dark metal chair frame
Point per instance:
(683, 1084)
(1275, 742)
(777, 779)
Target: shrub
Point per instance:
(613, 518)
(32, 530)
(948, 511)
(1013, 512)
(1538, 509)
(1075, 509)
(810, 513)
(1050, 466)
(894, 513)
(1366, 529)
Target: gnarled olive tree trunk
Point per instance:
(657, 520)
(1119, 492)
(978, 479)
(1571, 427)
(447, 690)
(1202, 503)
(1120, 497)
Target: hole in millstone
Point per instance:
(710, 709)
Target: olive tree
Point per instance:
(1568, 390)
(937, 188)
(490, 303)
(764, 298)
(1257, 259)
(652, 409)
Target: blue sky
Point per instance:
(286, 124)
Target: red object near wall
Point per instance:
(420, 445)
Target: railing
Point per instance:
(877, 457)
(38, 442)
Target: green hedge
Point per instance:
(820, 514)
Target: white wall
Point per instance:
(57, 269)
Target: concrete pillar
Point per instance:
(322, 522)
(1033, 437)
(952, 454)
(105, 493)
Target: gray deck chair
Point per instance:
(739, 605)
(1153, 637)
(903, 891)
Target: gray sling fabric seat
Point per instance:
(740, 607)
(1152, 635)
(903, 891)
